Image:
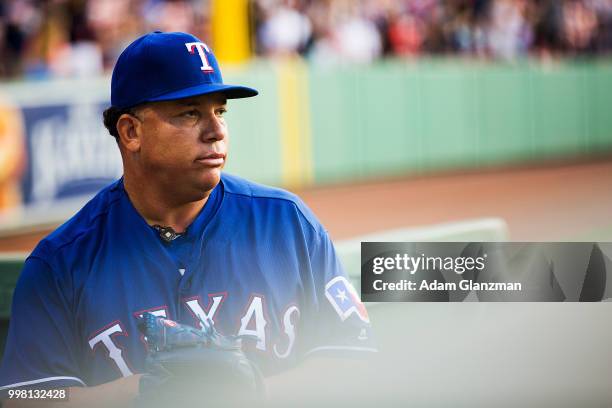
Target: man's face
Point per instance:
(184, 144)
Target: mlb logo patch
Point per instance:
(344, 299)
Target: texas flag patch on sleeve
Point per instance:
(344, 299)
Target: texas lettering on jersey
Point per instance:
(252, 323)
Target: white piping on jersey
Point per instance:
(41, 380)
(323, 348)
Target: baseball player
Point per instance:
(176, 238)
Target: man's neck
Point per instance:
(159, 208)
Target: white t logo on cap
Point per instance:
(192, 46)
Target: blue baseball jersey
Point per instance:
(255, 260)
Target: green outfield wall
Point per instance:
(398, 118)
(410, 118)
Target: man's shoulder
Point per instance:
(233, 184)
(268, 196)
(86, 221)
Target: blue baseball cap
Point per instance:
(165, 66)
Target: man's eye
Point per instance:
(221, 112)
(190, 114)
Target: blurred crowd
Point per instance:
(42, 38)
(327, 31)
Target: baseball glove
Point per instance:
(192, 367)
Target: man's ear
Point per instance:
(130, 131)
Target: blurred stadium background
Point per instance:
(409, 116)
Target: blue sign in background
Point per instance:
(69, 152)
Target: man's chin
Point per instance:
(209, 182)
(199, 187)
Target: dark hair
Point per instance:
(111, 116)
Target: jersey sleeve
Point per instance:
(41, 351)
(337, 323)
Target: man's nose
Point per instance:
(214, 130)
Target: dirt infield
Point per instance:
(553, 203)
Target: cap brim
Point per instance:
(230, 92)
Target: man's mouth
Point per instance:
(212, 159)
